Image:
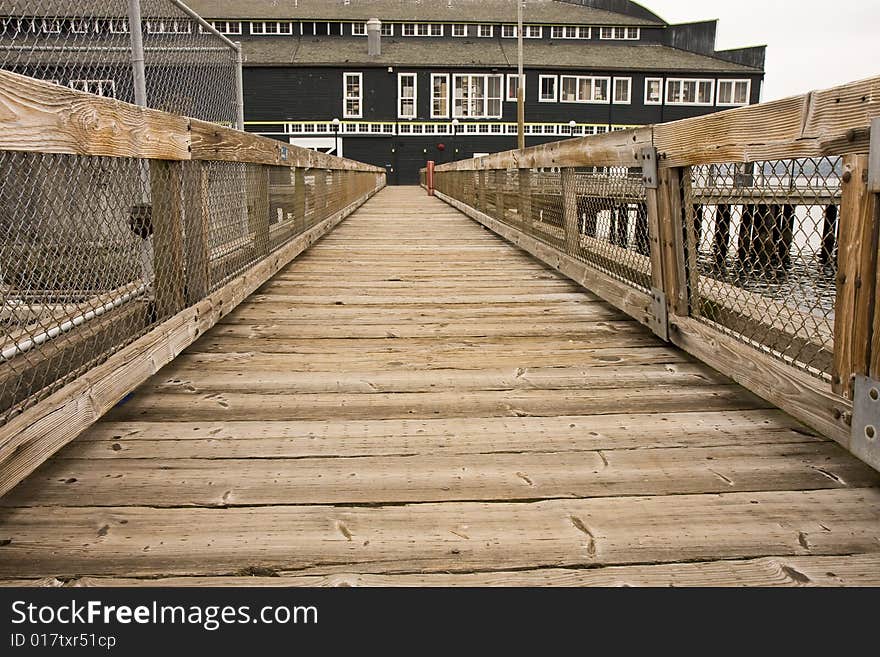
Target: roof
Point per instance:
(494, 11)
(466, 53)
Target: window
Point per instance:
(570, 32)
(169, 26)
(690, 92)
(359, 29)
(734, 92)
(387, 29)
(512, 87)
(584, 89)
(227, 27)
(620, 33)
(653, 91)
(406, 96)
(547, 91)
(622, 91)
(80, 26)
(409, 29)
(485, 31)
(119, 26)
(271, 27)
(98, 87)
(533, 32)
(353, 95)
(477, 96)
(51, 26)
(439, 96)
(508, 31)
(436, 29)
(459, 30)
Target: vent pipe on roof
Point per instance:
(374, 37)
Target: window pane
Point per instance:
(742, 93)
(601, 90)
(569, 89)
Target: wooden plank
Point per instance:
(843, 570)
(38, 116)
(857, 276)
(446, 436)
(236, 406)
(32, 437)
(788, 388)
(672, 242)
(414, 478)
(451, 537)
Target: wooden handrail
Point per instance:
(41, 117)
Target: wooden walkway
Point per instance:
(416, 402)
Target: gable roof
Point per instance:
(483, 53)
(449, 11)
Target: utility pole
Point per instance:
(521, 87)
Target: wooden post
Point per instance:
(722, 235)
(744, 248)
(196, 222)
(168, 259)
(500, 177)
(299, 200)
(655, 237)
(258, 207)
(829, 235)
(785, 235)
(857, 277)
(762, 246)
(569, 212)
(525, 197)
(672, 241)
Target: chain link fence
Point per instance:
(763, 264)
(597, 215)
(93, 46)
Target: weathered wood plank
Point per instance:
(453, 537)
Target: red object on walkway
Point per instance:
(430, 178)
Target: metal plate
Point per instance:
(865, 442)
(649, 167)
(874, 158)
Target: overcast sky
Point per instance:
(812, 44)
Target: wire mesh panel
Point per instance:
(763, 262)
(87, 45)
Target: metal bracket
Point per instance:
(659, 319)
(648, 158)
(285, 153)
(865, 440)
(874, 158)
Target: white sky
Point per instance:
(812, 44)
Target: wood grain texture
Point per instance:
(42, 117)
(414, 401)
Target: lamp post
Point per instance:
(571, 126)
(336, 124)
(455, 123)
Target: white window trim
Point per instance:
(593, 79)
(460, 36)
(345, 113)
(637, 33)
(733, 90)
(709, 103)
(507, 80)
(50, 26)
(285, 28)
(505, 27)
(228, 31)
(169, 26)
(529, 29)
(85, 86)
(389, 27)
(415, 79)
(662, 91)
(89, 26)
(431, 27)
(579, 31)
(629, 83)
(555, 79)
(480, 34)
(118, 26)
(445, 115)
(485, 77)
(362, 26)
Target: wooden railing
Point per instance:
(749, 238)
(126, 234)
